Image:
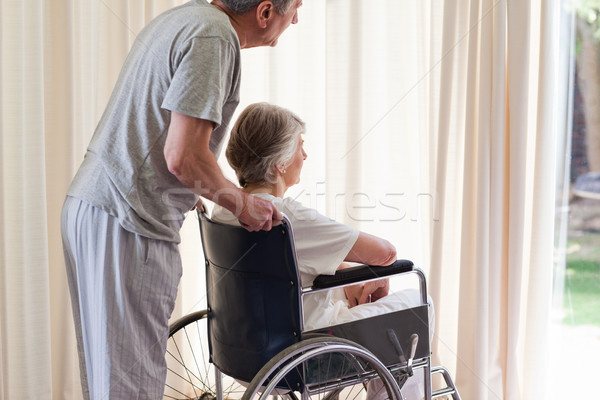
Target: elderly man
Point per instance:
(152, 155)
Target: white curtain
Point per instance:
(430, 123)
(496, 157)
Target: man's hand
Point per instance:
(258, 214)
(199, 205)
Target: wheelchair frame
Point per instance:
(289, 359)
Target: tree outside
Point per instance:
(588, 74)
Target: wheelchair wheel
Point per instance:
(190, 376)
(325, 368)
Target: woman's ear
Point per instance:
(264, 12)
(281, 168)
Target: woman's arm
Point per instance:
(371, 250)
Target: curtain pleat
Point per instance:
(24, 292)
(496, 38)
(62, 156)
(432, 124)
(550, 127)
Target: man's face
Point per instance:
(280, 23)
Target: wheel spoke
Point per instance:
(189, 373)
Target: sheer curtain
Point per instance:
(430, 123)
(495, 169)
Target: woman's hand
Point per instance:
(377, 289)
(368, 292)
(353, 294)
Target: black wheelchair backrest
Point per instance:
(253, 295)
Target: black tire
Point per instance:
(322, 368)
(190, 376)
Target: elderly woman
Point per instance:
(266, 152)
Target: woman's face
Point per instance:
(294, 167)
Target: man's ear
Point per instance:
(264, 12)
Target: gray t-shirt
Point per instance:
(186, 60)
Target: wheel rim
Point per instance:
(328, 368)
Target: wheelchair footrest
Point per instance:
(449, 390)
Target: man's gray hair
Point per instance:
(243, 6)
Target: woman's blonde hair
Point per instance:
(264, 137)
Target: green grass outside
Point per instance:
(582, 282)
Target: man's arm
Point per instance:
(189, 158)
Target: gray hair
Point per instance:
(264, 137)
(243, 6)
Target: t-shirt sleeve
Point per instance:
(203, 79)
(321, 243)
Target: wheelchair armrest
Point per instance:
(361, 273)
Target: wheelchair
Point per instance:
(250, 342)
